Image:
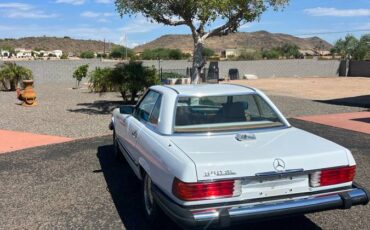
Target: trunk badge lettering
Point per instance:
(219, 173)
(245, 136)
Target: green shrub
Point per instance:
(11, 74)
(289, 50)
(64, 56)
(87, 54)
(80, 73)
(163, 53)
(133, 78)
(270, 54)
(166, 75)
(100, 80)
(207, 52)
(249, 55)
(126, 78)
(120, 52)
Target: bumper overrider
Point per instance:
(223, 215)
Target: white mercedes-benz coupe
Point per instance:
(214, 155)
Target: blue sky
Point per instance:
(97, 19)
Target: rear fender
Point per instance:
(145, 166)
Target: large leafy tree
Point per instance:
(352, 48)
(199, 16)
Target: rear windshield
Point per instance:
(224, 113)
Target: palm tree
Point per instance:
(12, 73)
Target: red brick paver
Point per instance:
(359, 122)
(11, 140)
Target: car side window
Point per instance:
(145, 108)
(154, 117)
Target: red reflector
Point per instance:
(337, 175)
(203, 191)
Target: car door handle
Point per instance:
(134, 133)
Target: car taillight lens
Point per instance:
(327, 177)
(206, 190)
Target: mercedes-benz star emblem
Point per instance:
(279, 165)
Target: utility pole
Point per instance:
(104, 47)
(126, 46)
(102, 56)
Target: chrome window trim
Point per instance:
(173, 133)
(243, 86)
(169, 87)
(139, 102)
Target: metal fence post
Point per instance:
(160, 74)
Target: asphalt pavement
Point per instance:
(79, 185)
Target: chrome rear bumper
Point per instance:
(226, 215)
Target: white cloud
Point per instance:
(365, 26)
(103, 20)
(133, 44)
(16, 6)
(91, 14)
(104, 1)
(32, 15)
(247, 25)
(140, 25)
(322, 11)
(80, 31)
(5, 28)
(72, 2)
(21, 10)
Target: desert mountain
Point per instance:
(65, 44)
(253, 40)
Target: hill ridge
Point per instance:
(66, 44)
(249, 40)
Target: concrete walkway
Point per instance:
(12, 141)
(359, 122)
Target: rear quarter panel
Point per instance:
(163, 161)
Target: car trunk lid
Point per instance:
(267, 162)
(223, 156)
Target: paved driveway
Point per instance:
(79, 185)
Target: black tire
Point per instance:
(116, 150)
(151, 209)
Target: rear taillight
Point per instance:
(333, 176)
(206, 190)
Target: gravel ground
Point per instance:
(61, 112)
(78, 185)
(294, 107)
(313, 88)
(80, 114)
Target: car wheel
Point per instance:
(116, 150)
(151, 209)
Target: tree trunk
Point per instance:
(4, 85)
(123, 94)
(133, 96)
(198, 61)
(13, 85)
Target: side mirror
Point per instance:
(126, 109)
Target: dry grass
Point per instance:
(314, 88)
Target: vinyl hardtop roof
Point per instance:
(207, 89)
